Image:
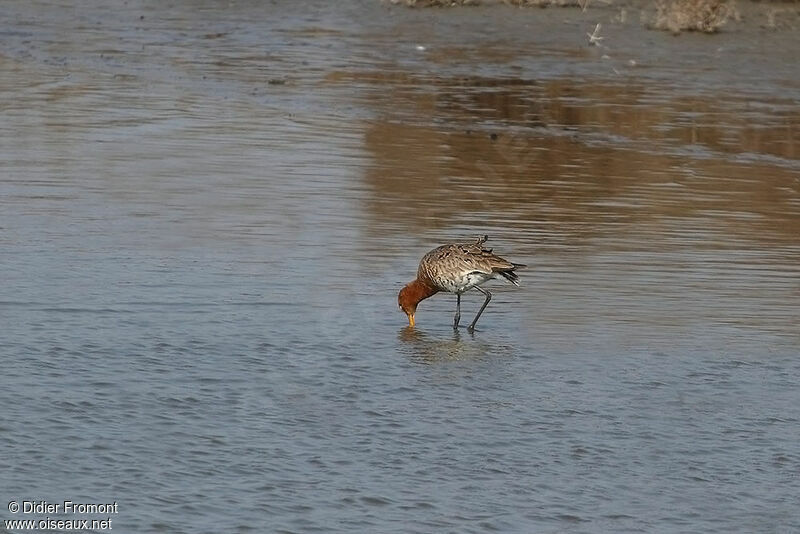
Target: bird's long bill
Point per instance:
(410, 319)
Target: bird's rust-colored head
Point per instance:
(411, 295)
(407, 303)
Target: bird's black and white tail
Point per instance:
(510, 275)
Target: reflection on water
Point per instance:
(431, 349)
(629, 111)
(559, 155)
(208, 210)
(430, 177)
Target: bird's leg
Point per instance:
(471, 327)
(457, 318)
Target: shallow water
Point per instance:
(208, 210)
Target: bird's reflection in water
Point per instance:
(424, 348)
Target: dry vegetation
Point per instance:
(676, 16)
(693, 15)
(435, 3)
(517, 3)
(546, 3)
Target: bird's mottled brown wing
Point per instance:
(457, 260)
(487, 262)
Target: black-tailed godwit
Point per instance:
(456, 269)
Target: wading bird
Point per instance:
(456, 269)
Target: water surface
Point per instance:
(208, 210)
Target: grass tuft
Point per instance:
(706, 16)
(436, 3)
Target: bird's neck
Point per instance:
(419, 290)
